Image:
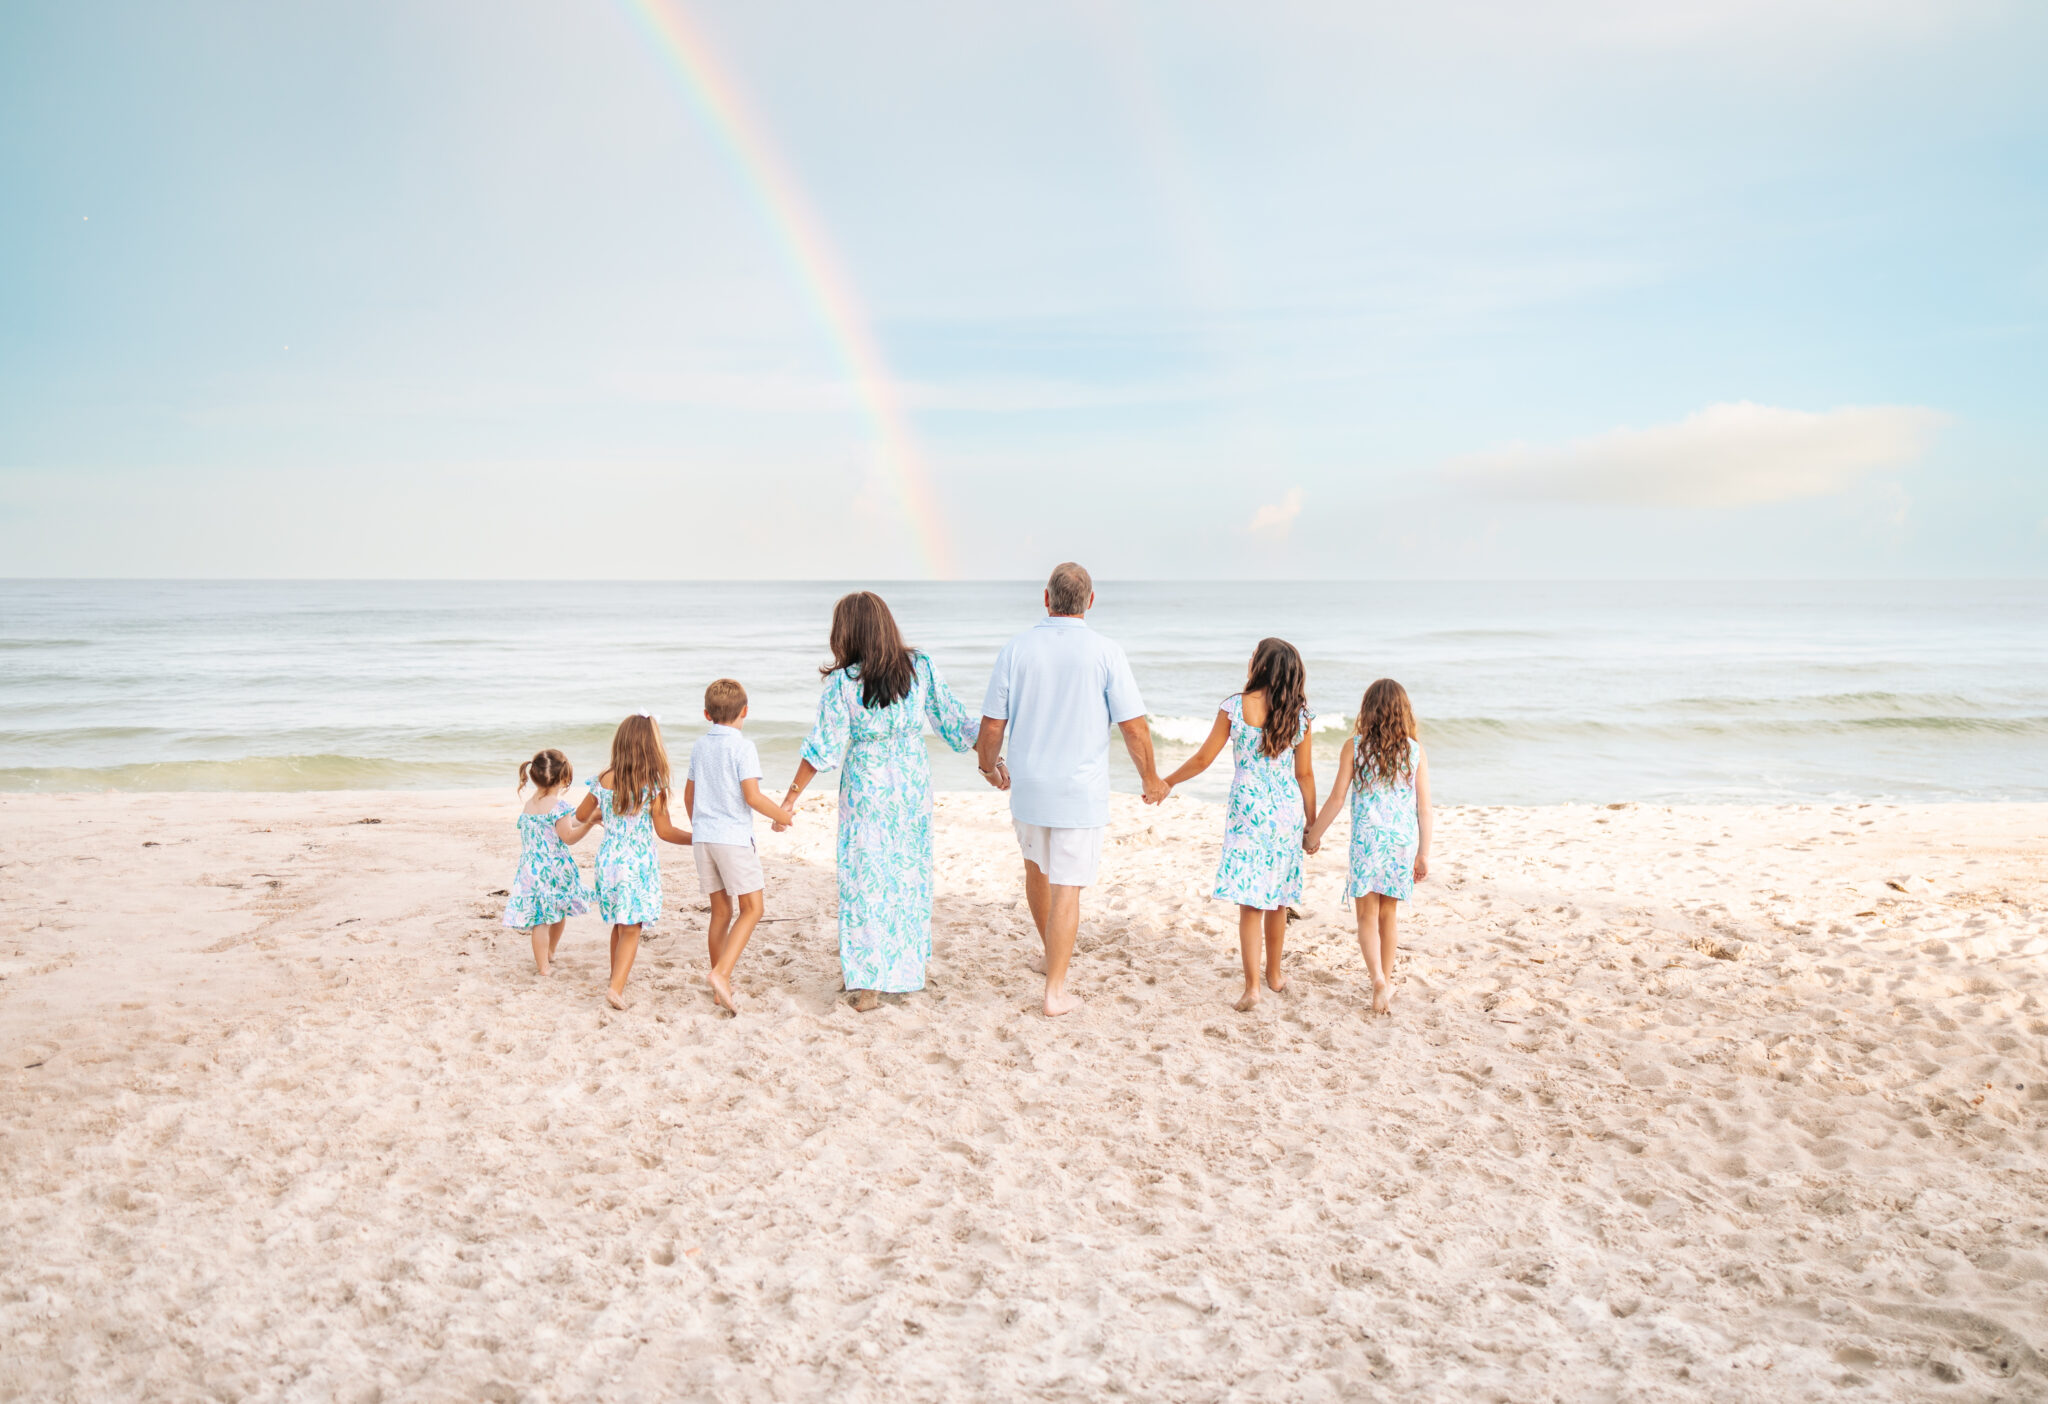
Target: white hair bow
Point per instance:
(651, 717)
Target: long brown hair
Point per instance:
(1277, 671)
(639, 763)
(1386, 724)
(864, 634)
(548, 770)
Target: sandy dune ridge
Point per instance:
(1713, 1103)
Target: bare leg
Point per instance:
(1368, 908)
(1276, 937)
(721, 921)
(541, 948)
(555, 939)
(1038, 897)
(1389, 910)
(625, 945)
(1249, 921)
(1062, 926)
(751, 905)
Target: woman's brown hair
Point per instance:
(1277, 671)
(548, 770)
(639, 763)
(864, 634)
(1386, 724)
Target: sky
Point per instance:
(1485, 289)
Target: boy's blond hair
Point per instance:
(724, 700)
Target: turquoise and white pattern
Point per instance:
(548, 886)
(628, 867)
(885, 820)
(1261, 864)
(1385, 830)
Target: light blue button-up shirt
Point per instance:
(721, 759)
(1060, 686)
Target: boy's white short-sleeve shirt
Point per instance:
(1060, 686)
(721, 759)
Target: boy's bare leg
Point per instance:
(1369, 946)
(542, 948)
(1276, 937)
(1249, 922)
(721, 921)
(1062, 926)
(751, 905)
(1038, 897)
(625, 945)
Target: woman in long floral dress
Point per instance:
(879, 693)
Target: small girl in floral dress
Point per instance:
(1272, 798)
(1387, 776)
(548, 889)
(631, 800)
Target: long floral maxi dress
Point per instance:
(1385, 830)
(548, 887)
(1261, 865)
(628, 869)
(885, 820)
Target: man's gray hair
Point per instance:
(1070, 590)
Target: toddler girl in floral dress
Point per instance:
(631, 800)
(1272, 798)
(548, 888)
(1387, 776)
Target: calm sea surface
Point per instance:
(1531, 693)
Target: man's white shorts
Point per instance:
(1067, 857)
(731, 868)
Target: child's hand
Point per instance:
(1311, 842)
(1421, 867)
(778, 827)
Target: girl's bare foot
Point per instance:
(1276, 983)
(1062, 1003)
(1382, 996)
(865, 1001)
(1250, 998)
(544, 972)
(721, 990)
(614, 999)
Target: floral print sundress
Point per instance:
(1385, 830)
(548, 886)
(628, 867)
(1261, 864)
(885, 820)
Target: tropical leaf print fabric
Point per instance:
(1261, 864)
(548, 886)
(885, 820)
(1384, 831)
(628, 868)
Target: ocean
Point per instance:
(1526, 693)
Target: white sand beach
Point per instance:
(1713, 1103)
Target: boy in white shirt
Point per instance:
(722, 796)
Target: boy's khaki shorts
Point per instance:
(731, 868)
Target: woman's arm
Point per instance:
(1212, 747)
(1305, 775)
(1423, 822)
(943, 710)
(1313, 839)
(662, 827)
(805, 773)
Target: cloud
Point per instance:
(1277, 518)
(1735, 455)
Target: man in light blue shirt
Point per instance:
(1057, 687)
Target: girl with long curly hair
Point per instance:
(1387, 778)
(630, 799)
(1272, 799)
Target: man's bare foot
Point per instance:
(1382, 996)
(1061, 1003)
(614, 999)
(721, 990)
(1276, 983)
(1250, 998)
(865, 1001)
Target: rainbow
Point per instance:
(802, 237)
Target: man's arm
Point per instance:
(1138, 741)
(988, 752)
